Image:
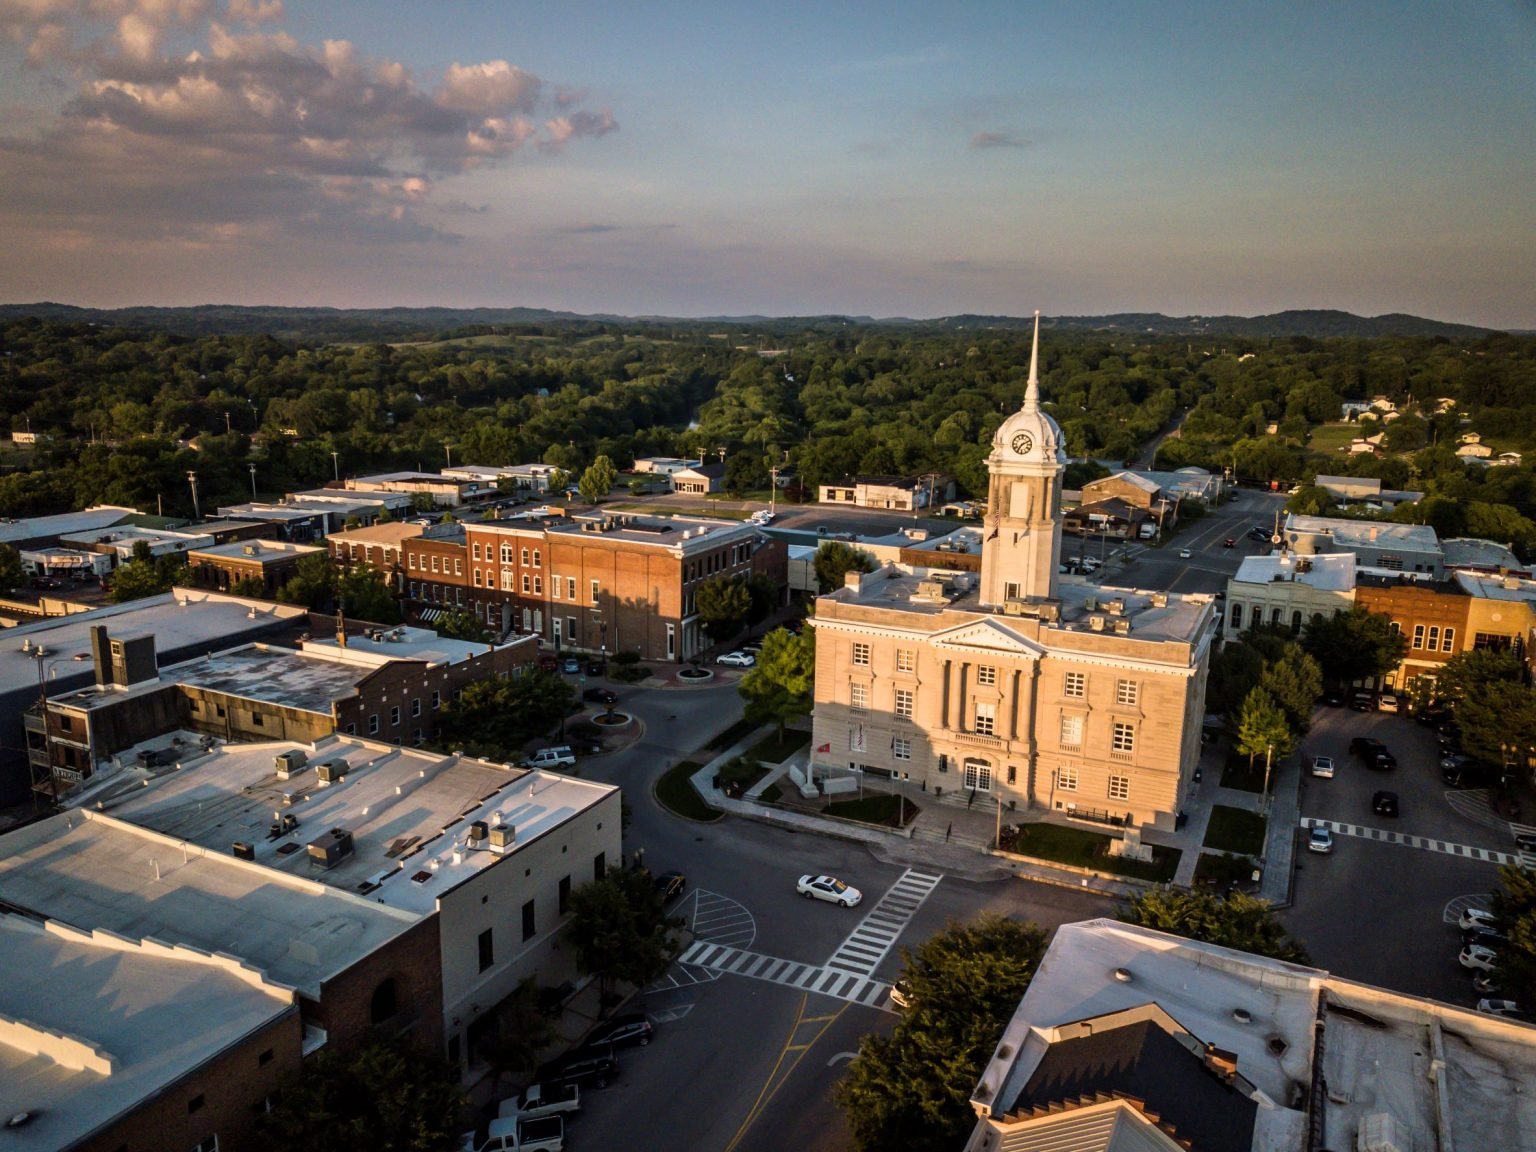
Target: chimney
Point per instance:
(341, 628)
(101, 655)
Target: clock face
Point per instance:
(1022, 443)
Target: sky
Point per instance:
(722, 158)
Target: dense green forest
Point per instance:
(131, 409)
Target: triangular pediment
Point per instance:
(987, 636)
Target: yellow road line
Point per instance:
(775, 1081)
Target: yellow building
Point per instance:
(1008, 687)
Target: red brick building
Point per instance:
(1432, 617)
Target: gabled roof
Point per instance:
(991, 634)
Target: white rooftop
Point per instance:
(407, 811)
(95, 1025)
(1379, 1056)
(91, 870)
(1365, 533)
(1329, 572)
(1496, 587)
(33, 527)
(402, 642)
(265, 551)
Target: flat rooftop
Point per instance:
(91, 870)
(407, 811)
(1496, 587)
(684, 532)
(257, 551)
(182, 619)
(35, 527)
(1471, 552)
(155, 1016)
(403, 642)
(1152, 616)
(274, 675)
(1366, 533)
(1379, 1055)
(1331, 572)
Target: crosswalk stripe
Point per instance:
(1423, 843)
(854, 986)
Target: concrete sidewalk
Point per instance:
(958, 838)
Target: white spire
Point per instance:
(1032, 389)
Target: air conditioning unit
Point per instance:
(478, 831)
(1123, 626)
(1115, 607)
(242, 851)
(332, 771)
(1159, 599)
(285, 764)
(1091, 603)
(503, 838)
(331, 849)
(1096, 623)
(1013, 607)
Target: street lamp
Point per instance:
(448, 448)
(253, 481)
(192, 480)
(336, 464)
(1269, 753)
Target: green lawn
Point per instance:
(882, 808)
(1235, 830)
(1237, 774)
(676, 794)
(1219, 870)
(1087, 849)
(775, 750)
(732, 734)
(1332, 440)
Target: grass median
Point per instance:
(677, 795)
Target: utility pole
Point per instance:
(192, 480)
(227, 428)
(448, 448)
(336, 465)
(253, 481)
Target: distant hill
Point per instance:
(350, 325)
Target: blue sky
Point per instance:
(890, 159)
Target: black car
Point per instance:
(596, 668)
(631, 1028)
(594, 1066)
(670, 885)
(1525, 841)
(1384, 803)
(600, 696)
(1487, 937)
(1363, 701)
(1259, 534)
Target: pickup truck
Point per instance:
(519, 1134)
(539, 1100)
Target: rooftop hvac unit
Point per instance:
(252, 549)
(1091, 603)
(1096, 623)
(332, 771)
(1123, 626)
(1050, 613)
(285, 764)
(478, 831)
(331, 849)
(242, 851)
(503, 838)
(1013, 606)
(1159, 599)
(1115, 607)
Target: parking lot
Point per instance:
(1375, 910)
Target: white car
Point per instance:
(737, 660)
(1386, 702)
(1479, 957)
(1477, 918)
(1185, 553)
(828, 888)
(1506, 1008)
(1323, 766)
(1320, 840)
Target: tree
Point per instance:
(313, 582)
(911, 1091)
(723, 603)
(1494, 709)
(778, 688)
(1294, 681)
(362, 594)
(1262, 729)
(834, 560)
(495, 717)
(1514, 903)
(11, 574)
(1238, 921)
(461, 624)
(619, 929)
(764, 591)
(387, 1097)
(1355, 645)
(1310, 500)
(518, 1032)
(147, 575)
(250, 587)
(597, 481)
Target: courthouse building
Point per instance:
(1009, 687)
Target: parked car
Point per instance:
(1185, 553)
(600, 696)
(1384, 803)
(1229, 542)
(670, 885)
(541, 1101)
(1386, 702)
(1479, 957)
(588, 1066)
(1323, 766)
(560, 756)
(1374, 753)
(548, 664)
(1320, 840)
(596, 668)
(828, 888)
(571, 666)
(736, 660)
(1486, 984)
(1477, 918)
(901, 994)
(629, 1028)
(1362, 701)
(1491, 937)
(1506, 1008)
(1525, 841)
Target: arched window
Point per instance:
(383, 1005)
(1296, 622)
(1237, 617)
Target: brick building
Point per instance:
(271, 563)
(1431, 616)
(1008, 686)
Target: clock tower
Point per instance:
(1021, 548)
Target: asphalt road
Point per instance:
(741, 1064)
